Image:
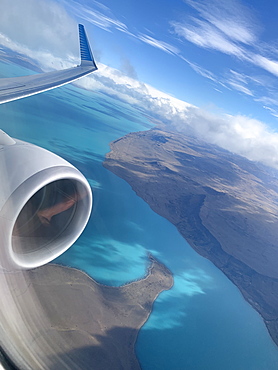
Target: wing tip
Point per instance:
(86, 54)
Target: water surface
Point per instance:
(202, 322)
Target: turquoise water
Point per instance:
(202, 322)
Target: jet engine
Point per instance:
(45, 204)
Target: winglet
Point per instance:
(86, 54)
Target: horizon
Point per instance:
(190, 68)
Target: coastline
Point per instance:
(183, 181)
(78, 322)
(149, 270)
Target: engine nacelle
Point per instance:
(45, 204)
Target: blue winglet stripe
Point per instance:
(85, 50)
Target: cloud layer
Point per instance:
(39, 25)
(230, 28)
(223, 26)
(243, 135)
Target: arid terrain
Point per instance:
(224, 205)
(66, 320)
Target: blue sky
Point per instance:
(208, 68)
(208, 53)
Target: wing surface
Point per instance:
(20, 87)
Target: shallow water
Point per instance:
(202, 322)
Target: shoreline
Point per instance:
(200, 221)
(149, 267)
(149, 270)
(77, 321)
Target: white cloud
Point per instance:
(230, 17)
(272, 111)
(269, 100)
(228, 27)
(54, 31)
(107, 21)
(45, 59)
(239, 134)
(158, 44)
(222, 26)
(239, 81)
(267, 64)
(205, 35)
(260, 86)
(113, 82)
(239, 76)
(98, 18)
(49, 27)
(200, 70)
(239, 87)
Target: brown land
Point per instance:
(225, 206)
(69, 321)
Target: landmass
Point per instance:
(224, 205)
(76, 323)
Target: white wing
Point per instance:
(19, 87)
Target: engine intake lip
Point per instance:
(45, 215)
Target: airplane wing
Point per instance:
(19, 87)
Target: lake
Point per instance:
(203, 322)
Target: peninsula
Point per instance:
(75, 322)
(224, 205)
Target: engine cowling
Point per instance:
(45, 204)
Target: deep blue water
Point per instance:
(202, 322)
